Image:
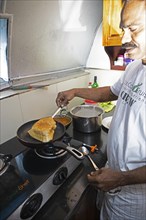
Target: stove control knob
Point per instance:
(31, 206)
(60, 176)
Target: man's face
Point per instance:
(133, 23)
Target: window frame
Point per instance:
(9, 17)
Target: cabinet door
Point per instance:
(112, 34)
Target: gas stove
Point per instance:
(28, 179)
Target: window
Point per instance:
(5, 46)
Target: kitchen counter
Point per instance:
(76, 199)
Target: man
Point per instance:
(124, 180)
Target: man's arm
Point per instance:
(101, 94)
(107, 179)
(135, 176)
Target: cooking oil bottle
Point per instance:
(95, 83)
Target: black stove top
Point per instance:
(30, 180)
(29, 174)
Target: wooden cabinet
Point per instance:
(112, 34)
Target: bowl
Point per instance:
(66, 120)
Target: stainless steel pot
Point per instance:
(87, 118)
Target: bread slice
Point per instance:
(43, 130)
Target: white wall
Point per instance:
(97, 57)
(104, 77)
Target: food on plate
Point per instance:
(43, 130)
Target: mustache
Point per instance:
(127, 45)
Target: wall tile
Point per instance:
(38, 103)
(10, 117)
(80, 82)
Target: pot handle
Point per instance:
(76, 153)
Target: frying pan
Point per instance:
(24, 137)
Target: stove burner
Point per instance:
(50, 152)
(4, 163)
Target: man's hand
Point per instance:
(105, 179)
(64, 97)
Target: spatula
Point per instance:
(58, 110)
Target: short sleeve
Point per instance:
(116, 88)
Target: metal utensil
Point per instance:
(93, 148)
(58, 110)
(86, 153)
